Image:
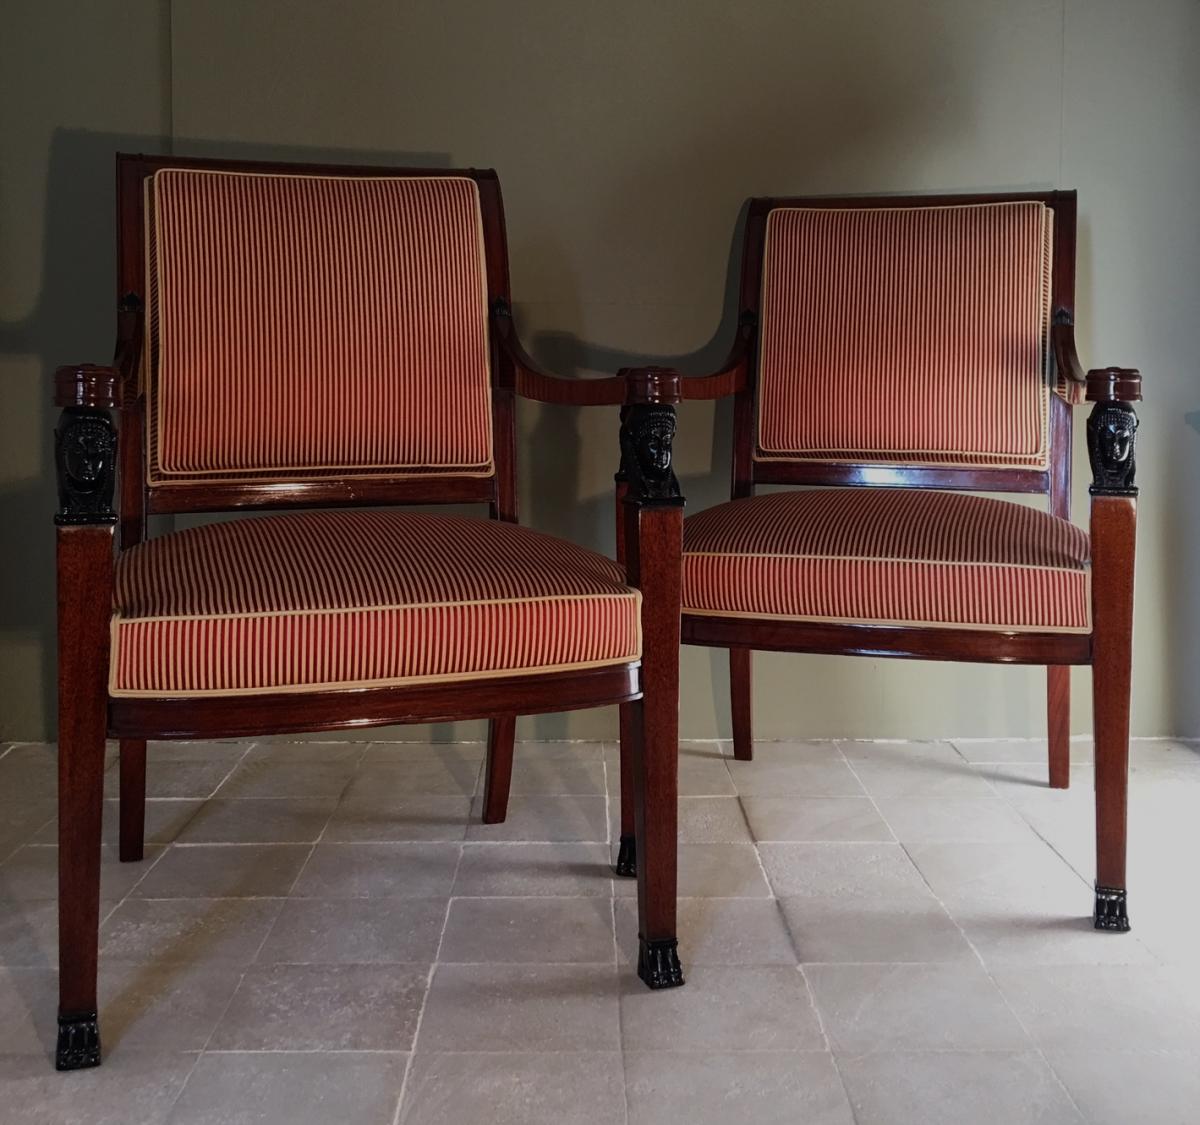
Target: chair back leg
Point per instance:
(502, 734)
(626, 865)
(739, 703)
(1058, 708)
(133, 799)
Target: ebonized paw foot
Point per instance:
(78, 1042)
(658, 963)
(1110, 909)
(627, 858)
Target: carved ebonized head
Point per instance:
(647, 433)
(85, 448)
(1112, 432)
(88, 453)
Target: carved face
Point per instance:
(654, 445)
(1117, 428)
(87, 454)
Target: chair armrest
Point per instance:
(519, 370)
(731, 377)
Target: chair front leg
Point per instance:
(1111, 430)
(85, 446)
(653, 543)
(133, 800)
(1058, 724)
(502, 735)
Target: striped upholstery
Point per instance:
(325, 600)
(306, 326)
(906, 335)
(888, 556)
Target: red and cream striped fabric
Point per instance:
(906, 335)
(888, 556)
(327, 600)
(306, 326)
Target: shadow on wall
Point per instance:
(73, 320)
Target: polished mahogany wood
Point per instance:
(85, 567)
(979, 646)
(740, 697)
(133, 799)
(247, 716)
(497, 780)
(1058, 724)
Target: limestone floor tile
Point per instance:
(908, 927)
(378, 870)
(192, 930)
(349, 1088)
(224, 871)
(323, 1008)
(917, 820)
(276, 821)
(23, 821)
(1027, 783)
(30, 874)
(451, 775)
(29, 933)
(716, 931)
(1040, 936)
(544, 819)
(564, 870)
(725, 1008)
(162, 1007)
(387, 818)
(952, 1087)
(1032, 751)
(986, 879)
(794, 769)
(1105, 1007)
(383, 752)
(314, 750)
(866, 1008)
(543, 1008)
(28, 778)
(702, 772)
(916, 770)
(1122, 1086)
(580, 1088)
(557, 774)
(537, 930)
(843, 819)
(712, 871)
(175, 778)
(28, 1003)
(712, 820)
(355, 931)
(130, 1087)
(271, 777)
(873, 872)
(718, 1087)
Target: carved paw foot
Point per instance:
(658, 963)
(1110, 909)
(78, 1042)
(627, 858)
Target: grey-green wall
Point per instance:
(627, 136)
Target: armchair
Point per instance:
(901, 353)
(334, 338)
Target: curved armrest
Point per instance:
(1101, 384)
(521, 371)
(732, 375)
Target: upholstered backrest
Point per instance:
(906, 335)
(305, 326)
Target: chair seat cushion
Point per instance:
(334, 599)
(889, 556)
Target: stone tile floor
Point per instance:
(873, 932)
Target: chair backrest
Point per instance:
(308, 325)
(906, 340)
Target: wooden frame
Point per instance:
(1111, 431)
(94, 457)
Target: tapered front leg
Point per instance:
(739, 704)
(502, 734)
(1058, 725)
(653, 546)
(1111, 433)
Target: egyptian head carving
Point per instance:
(1111, 431)
(647, 433)
(85, 445)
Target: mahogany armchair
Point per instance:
(895, 355)
(334, 338)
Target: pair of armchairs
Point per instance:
(340, 339)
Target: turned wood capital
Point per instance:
(650, 385)
(87, 384)
(1114, 384)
